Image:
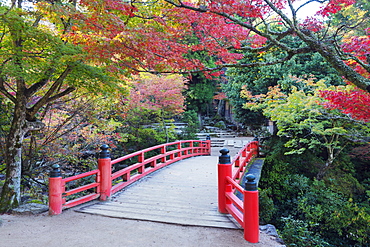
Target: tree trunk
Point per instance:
(328, 164)
(220, 108)
(11, 192)
(200, 120)
(322, 171)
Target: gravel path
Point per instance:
(84, 230)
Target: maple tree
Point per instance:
(301, 116)
(153, 98)
(259, 79)
(347, 53)
(74, 127)
(37, 68)
(351, 101)
(164, 36)
(157, 93)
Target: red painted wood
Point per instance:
(224, 171)
(79, 176)
(81, 189)
(55, 195)
(104, 177)
(105, 169)
(235, 201)
(245, 212)
(80, 200)
(251, 216)
(237, 215)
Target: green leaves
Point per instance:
(301, 117)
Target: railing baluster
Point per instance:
(55, 191)
(224, 171)
(251, 210)
(163, 151)
(179, 154)
(105, 167)
(141, 157)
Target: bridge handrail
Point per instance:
(153, 148)
(244, 211)
(104, 178)
(243, 157)
(181, 152)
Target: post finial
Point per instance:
(104, 153)
(56, 171)
(250, 184)
(224, 158)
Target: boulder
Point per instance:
(30, 208)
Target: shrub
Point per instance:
(266, 206)
(297, 233)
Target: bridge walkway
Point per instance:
(183, 193)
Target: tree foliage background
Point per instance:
(67, 69)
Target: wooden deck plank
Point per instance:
(162, 218)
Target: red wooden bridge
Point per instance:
(193, 191)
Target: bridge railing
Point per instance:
(112, 176)
(244, 211)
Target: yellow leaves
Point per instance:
(120, 37)
(353, 13)
(274, 93)
(246, 94)
(53, 13)
(261, 101)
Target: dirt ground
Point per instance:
(85, 230)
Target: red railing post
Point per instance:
(256, 145)
(251, 210)
(55, 191)
(208, 139)
(191, 144)
(105, 168)
(163, 151)
(224, 171)
(179, 154)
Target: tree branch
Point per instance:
(48, 95)
(37, 86)
(5, 92)
(61, 94)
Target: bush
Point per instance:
(266, 206)
(334, 211)
(221, 125)
(297, 233)
(337, 218)
(189, 132)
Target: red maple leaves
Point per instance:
(334, 6)
(157, 93)
(170, 37)
(358, 46)
(355, 102)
